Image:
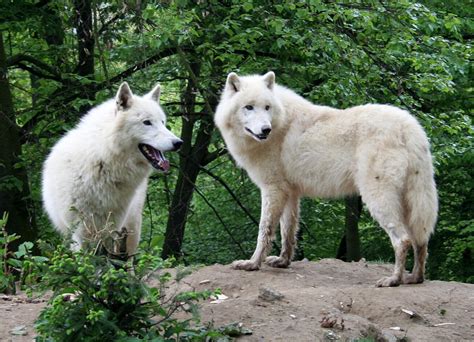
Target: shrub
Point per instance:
(20, 265)
(97, 298)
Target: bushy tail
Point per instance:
(421, 195)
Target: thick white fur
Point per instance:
(96, 177)
(378, 151)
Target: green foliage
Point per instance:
(7, 279)
(99, 299)
(21, 265)
(9, 183)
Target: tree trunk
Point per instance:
(353, 211)
(299, 253)
(14, 188)
(191, 158)
(341, 253)
(85, 38)
(85, 45)
(182, 196)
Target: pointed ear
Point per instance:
(269, 79)
(233, 82)
(124, 96)
(154, 94)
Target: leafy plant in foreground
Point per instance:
(7, 279)
(20, 265)
(101, 299)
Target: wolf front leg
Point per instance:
(289, 229)
(273, 202)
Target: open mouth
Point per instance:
(260, 137)
(155, 157)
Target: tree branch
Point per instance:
(17, 60)
(106, 25)
(139, 66)
(211, 156)
(220, 219)
(37, 72)
(42, 3)
(266, 54)
(231, 193)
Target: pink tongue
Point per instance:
(165, 164)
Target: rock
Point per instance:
(19, 330)
(388, 336)
(331, 336)
(235, 329)
(269, 294)
(218, 298)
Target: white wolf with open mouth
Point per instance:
(292, 148)
(96, 176)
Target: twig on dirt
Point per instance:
(442, 324)
(409, 313)
(396, 328)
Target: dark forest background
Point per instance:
(60, 58)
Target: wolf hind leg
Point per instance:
(289, 230)
(417, 276)
(422, 203)
(384, 204)
(400, 246)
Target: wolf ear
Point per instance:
(233, 82)
(154, 94)
(124, 96)
(269, 79)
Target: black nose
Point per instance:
(177, 144)
(266, 130)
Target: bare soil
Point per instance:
(333, 300)
(326, 300)
(17, 316)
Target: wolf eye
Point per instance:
(147, 122)
(267, 107)
(249, 107)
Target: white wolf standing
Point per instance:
(96, 175)
(292, 148)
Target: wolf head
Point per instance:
(142, 122)
(249, 103)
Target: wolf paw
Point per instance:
(247, 265)
(388, 281)
(276, 261)
(411, 278)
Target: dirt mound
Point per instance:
(310, 301)
(333, 300)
